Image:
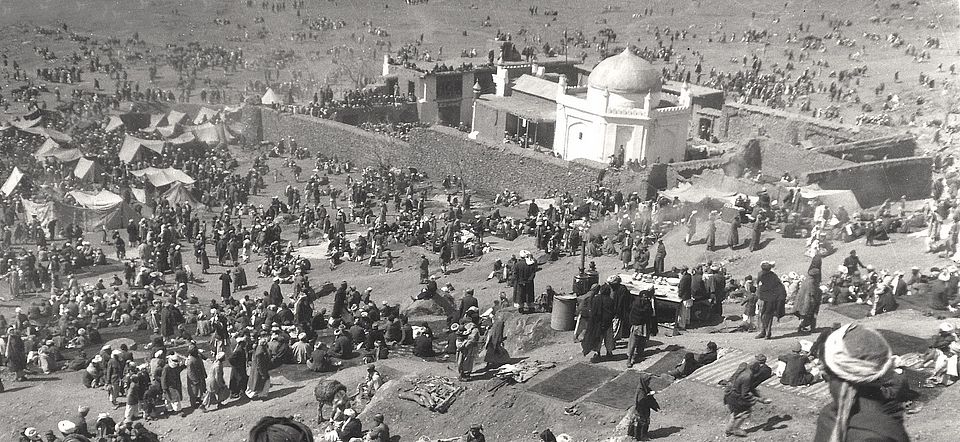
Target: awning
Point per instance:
(101, 200)
(527, 107)
(50, 149)
(162, 177)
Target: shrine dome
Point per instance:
(625, 73)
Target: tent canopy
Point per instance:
(207, 133)
(50, 149)
(832, 198)
(205, 115)
(174, 117)
(96, 201)
(179, 194)
(131, 147)
(12, 181)
(85, 169)
(162, 177)
(270, 97)
(184, 138)
(114, 124)
(49, 133)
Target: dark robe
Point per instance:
(601, 319)
(259, 369)
(276, 297)
(225, 285)
(733, 239)
(238, 371)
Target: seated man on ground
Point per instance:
(795, 372)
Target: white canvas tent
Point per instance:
(179, 194)
(96, 211)
(130, 150)
(12, 181)
(50, 149)
(204, 115)
(270, 97)
(163, 177)
(174, 117)
(114, 124)
(86, 169)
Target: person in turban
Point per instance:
(857, 362)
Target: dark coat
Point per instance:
(685, 286)
(868, 421)
(772, 293)
(809, 297)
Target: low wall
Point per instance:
(686, 169)
(889, 147)
(439, 151)
(741, 122)
(876, 181)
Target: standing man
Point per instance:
(853, 263)
(660, 258)
(225, 280)
(758, 226)
(644, 401)
(691, 228)
(424, 265)
(771, 298)
(524, 272)
(643, 325)
(712, 231)
(600, 326)
(685, 292)
(196, 377)
(258, 384)
(808, 301)
(733, 239)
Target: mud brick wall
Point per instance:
(875, 181)
(686, 169)
(440, 151)
(894, 146)
(741, 122)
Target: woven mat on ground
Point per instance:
(574, 381)
(619, 393)
(667, 362)
(724, 367)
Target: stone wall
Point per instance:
(741, 122)
(889, 147)
(876, 181)
(439, 151)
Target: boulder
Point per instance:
(437, 306)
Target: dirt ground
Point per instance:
(692, 411)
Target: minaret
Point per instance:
(562, 85)
(476, 89)
(386, 65)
